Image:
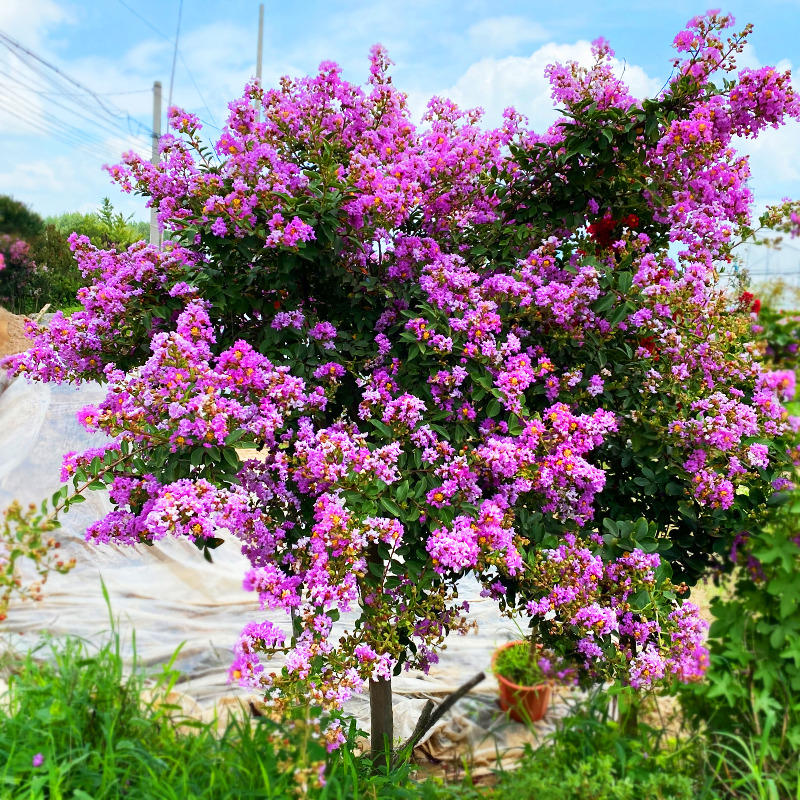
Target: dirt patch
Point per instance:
(12, 334)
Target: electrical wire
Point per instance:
(62, 136)
(72, 113)
(175, 52)
(110, 128)
(26, 54)
(152, 27)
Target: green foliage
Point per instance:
(543, 777)
(26, 535)
(753, 681)
(743, 768)
(51, 275)
(781, 334)
(516, 664)
(98, 738)
(104, 227)
(57, 278)
(18, 274)
(591, 757)
(749, 703)
(16, 219)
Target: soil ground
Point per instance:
(12, 334)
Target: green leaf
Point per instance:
(390, 506)
(604, 303)
(229, 454)
(234, 437)
(214, 454)
(384, 429)
(213, 544)
(402, 491)
(640, 600)
(494, 408)
(620, 314)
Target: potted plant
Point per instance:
(526, 673)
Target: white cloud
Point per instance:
(29, 21)
(495, 84)
(748, 59)
(55, 184)
(774, 163)
(775, 155)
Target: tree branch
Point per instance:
(431, 714)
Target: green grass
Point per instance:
(74, 704)
(80, 711)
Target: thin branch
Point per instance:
(431, 716)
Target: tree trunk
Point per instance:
(381, 722)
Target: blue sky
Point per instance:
(490, 54)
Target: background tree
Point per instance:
(104, 227)
(17, 220)
(48, 274)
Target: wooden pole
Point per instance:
(155, 233)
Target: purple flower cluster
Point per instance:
(379, 482)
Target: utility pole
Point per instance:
(155, 233)
(259, 52)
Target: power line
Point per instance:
(98, 113)
(19, 49)
(63, 136)
(152, 27)
(130, 91)
(65, 127)
(110, 127)
(175, 53)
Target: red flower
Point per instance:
(749, 303)
(649, 344)
(606, 230)
(602, 231)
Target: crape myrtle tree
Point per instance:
(452, 351)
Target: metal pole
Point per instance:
(259, 52)
(155, 233)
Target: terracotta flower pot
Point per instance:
(524, 703)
